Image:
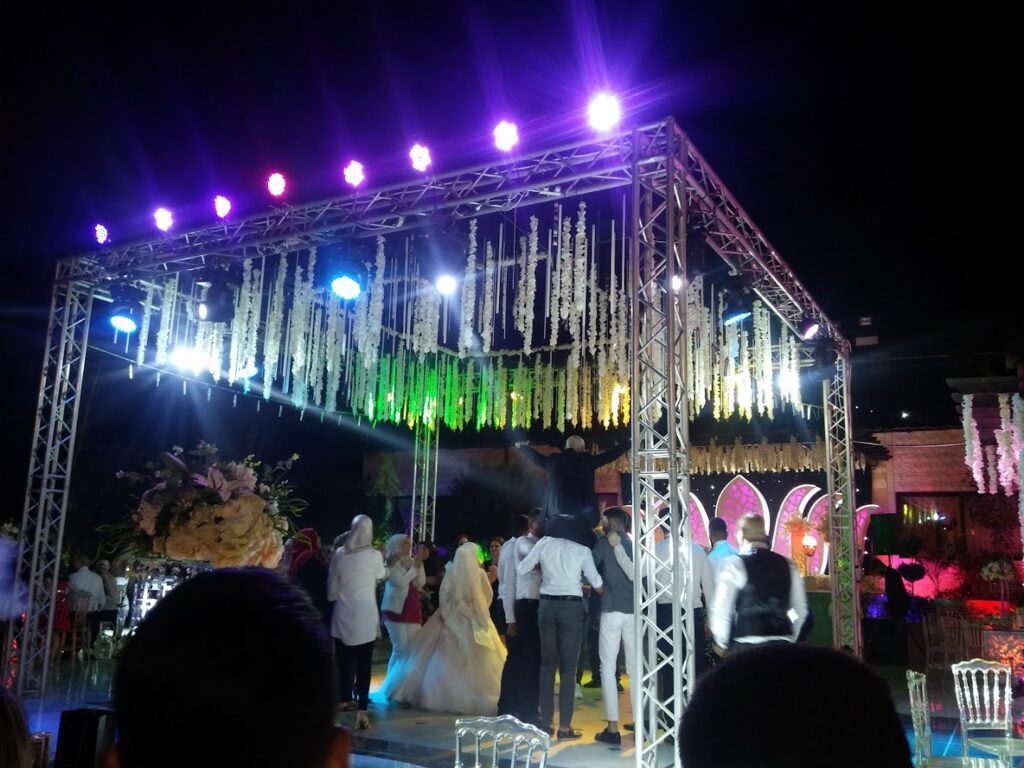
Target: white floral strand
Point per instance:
(275, 327)
(239, 327)
(530, 298)
(1004, 448)
(992, 466)
(566, 270)
(487, 315)
(168, 307)
(147, 311)
(332, 354)
(468, 294)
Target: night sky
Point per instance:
(873, 144)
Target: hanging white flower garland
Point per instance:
(274, 328)
(487, 315)
(468, 294)
(168, 311)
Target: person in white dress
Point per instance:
(355, 625)
(401, 602)
(454, 663)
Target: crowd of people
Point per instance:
(479, 635)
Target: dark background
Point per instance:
(874, 144)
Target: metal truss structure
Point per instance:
(674, 191)
(424, 482)
(846, 629)
(27, 655)
(661, 486)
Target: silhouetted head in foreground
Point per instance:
(792, 706)
(233, 668)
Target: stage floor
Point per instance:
(403, 737)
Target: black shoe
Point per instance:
(607, 737)
(592, 683)
(630, 726)
(567, 734)
(618, 685)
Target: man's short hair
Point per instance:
(752, 528)
(522, 525)
(718, 527)
(859, 727)
(233, 668)
(619, 515)
(575, 443)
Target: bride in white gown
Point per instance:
(454, 663)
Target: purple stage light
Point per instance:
(222, 205)
(163, 218)
(102, 235)
(276, 184)
(354, 173)
(420, 157)
(604, 112)
(506, 135)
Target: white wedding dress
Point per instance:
(454, 663)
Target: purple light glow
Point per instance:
(354, 173)
(506, 135)
(604, 112)
(222, 205)
(276, 184)
(420, 157)
(102, 235)
(163, 218)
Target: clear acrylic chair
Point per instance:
(921, 719)
(983, 697)
(529, 744)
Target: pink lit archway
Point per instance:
(794, 505)
(740, 497)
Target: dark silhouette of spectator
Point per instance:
(792, 706)
(14, 747)
(232, 669)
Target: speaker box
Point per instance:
(85, 737)
(884, 533)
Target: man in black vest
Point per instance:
(760, 596)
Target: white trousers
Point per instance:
(401, 633)
(615, 628)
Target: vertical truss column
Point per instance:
(659, 423)
(27, 655)
(846, 630)
(424, 482)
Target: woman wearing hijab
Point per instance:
(454, 663)
(308, 570)
(352, 585)
(401, 604)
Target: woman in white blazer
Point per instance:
(403, 614)
(355, 625)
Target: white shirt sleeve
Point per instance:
(704, 576)
(590, 570)
(507, 580)
(797, 598)
(622, 558)
(733, 579)
(334, 576)
(530, 562)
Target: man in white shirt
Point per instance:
(88, 592)
(721, 549)
(563, 564)
(506, 598)
(760, 596)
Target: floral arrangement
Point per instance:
(198, 507)
(998, 570)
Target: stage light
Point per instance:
(737, 306)
(346, 287)
(677, 283)
(164, 219)
(222, 206)
(808, 328)
(102, 235)
(904, 415)
(506, 135)
(354, 173)
(446, 284)
(604, 112)
(187, 359)
(420, 157)
(218, 306)
(276, 184)
(122, 320)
